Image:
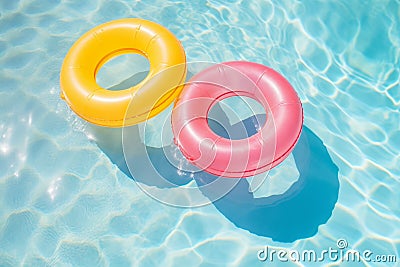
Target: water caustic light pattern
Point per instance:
(64, 202)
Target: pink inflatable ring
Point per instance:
(245, 157)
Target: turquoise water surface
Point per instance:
(64, 201)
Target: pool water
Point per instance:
(64, 201)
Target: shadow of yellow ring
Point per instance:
(93, 49)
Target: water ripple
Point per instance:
(64, 202)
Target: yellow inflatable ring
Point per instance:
(108, 108)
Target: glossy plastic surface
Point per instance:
(245, 157)
(105, 107)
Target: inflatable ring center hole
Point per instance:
(236, 117)
(123, 71)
